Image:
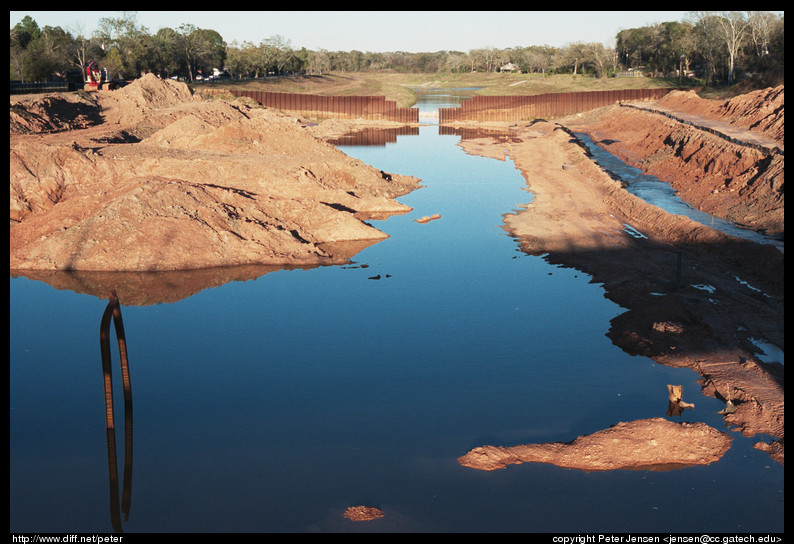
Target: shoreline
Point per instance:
(580, 218)
(141, 175)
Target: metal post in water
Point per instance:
(113, 311)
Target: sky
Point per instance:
(382, 31)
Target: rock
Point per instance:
(428, 218)
(363, 513)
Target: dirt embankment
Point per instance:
(725, 158)
(150, 177)
(707, 317)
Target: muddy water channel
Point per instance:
(661, 194)
(272, 405)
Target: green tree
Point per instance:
(168, 56)
(21, 60)
(200, 49)
(24, 32)
(126, 44)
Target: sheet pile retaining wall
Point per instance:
(312, 105)
(518, 108)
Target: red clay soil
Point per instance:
(152, 178)
(651, 444)
(363, 513)
(725, 158)
(730, 291)
(197, 193)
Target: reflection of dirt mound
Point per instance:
(145, 288)
(161, 180)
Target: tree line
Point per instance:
(717, 47)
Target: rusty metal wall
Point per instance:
(518, 108)
(311, 105)
(375, 136)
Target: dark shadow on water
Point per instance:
(717, 298)
(703, 314)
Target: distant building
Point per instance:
(509, 67)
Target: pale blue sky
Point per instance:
(413, 31)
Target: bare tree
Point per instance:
(761, 23)
(732, 28)
(455, 61)
(318, 62)
(490, 57)
(599, 56)
(576, 55)
(539, 58)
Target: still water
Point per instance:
(272, 405)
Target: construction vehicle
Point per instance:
(96, 79)
(93, 77)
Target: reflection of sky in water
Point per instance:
(274, 404)
(430, 100)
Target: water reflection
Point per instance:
(113, 311)
(311, 391)
(472, 133)
(145, 288)
(374, 136)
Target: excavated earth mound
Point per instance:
(150, 177)
(758, 111)
(692, 143)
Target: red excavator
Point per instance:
(97, 79)
(93, 77)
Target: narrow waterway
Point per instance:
(272, 405)
(661, 194)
